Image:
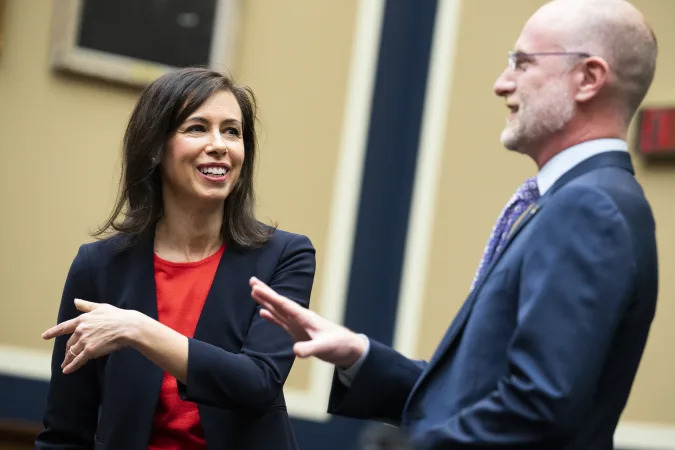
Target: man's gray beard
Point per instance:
(510, 138)
(554, 119)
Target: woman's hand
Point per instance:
(102, 330)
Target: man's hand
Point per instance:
(313, 335)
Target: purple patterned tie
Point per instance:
(527, 193)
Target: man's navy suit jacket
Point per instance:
(237, 362)
(544, 351)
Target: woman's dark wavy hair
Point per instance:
(162, 107)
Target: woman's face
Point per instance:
(203, 158)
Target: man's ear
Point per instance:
(592, 76)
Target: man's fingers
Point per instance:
(268, 298)
(305, 349)
(320, 347)
(262, 292)
(278, 303)
(268, 306)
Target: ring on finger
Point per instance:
(70, 350)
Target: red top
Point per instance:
(182, 288)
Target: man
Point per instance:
(544, 351)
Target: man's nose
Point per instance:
(505, 84)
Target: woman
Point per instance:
(168, 350)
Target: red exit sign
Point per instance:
(656, 132)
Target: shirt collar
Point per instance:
(570, 157)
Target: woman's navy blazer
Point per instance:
(237, 362)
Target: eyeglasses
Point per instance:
(517, 58)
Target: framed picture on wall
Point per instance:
(135, 41)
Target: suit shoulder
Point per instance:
(607, 188)
(575, 199)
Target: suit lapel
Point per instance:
(463, 314)
(613, 158)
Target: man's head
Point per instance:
(579, 71)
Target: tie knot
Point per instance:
(528, 191)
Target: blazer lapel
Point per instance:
(133, 382)
(227, 305)
(141, 278)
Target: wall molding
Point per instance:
(644, 436)
(27, 363)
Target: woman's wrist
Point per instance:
(135, 330)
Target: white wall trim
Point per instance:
(25, 363)
(429, 158)
(644, 436)
(311, 403)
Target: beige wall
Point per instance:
(60, 137)
(60, 142)
(59, 146)
(653, 397)
(296, 56)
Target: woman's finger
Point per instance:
(71, 341)
(66, 327)
(76, 362)
(85, 305)
(71, 354)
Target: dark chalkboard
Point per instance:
(135, 41)
(172, 32)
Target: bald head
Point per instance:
(613, 30)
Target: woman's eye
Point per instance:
(234, 131)
(195, 129)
